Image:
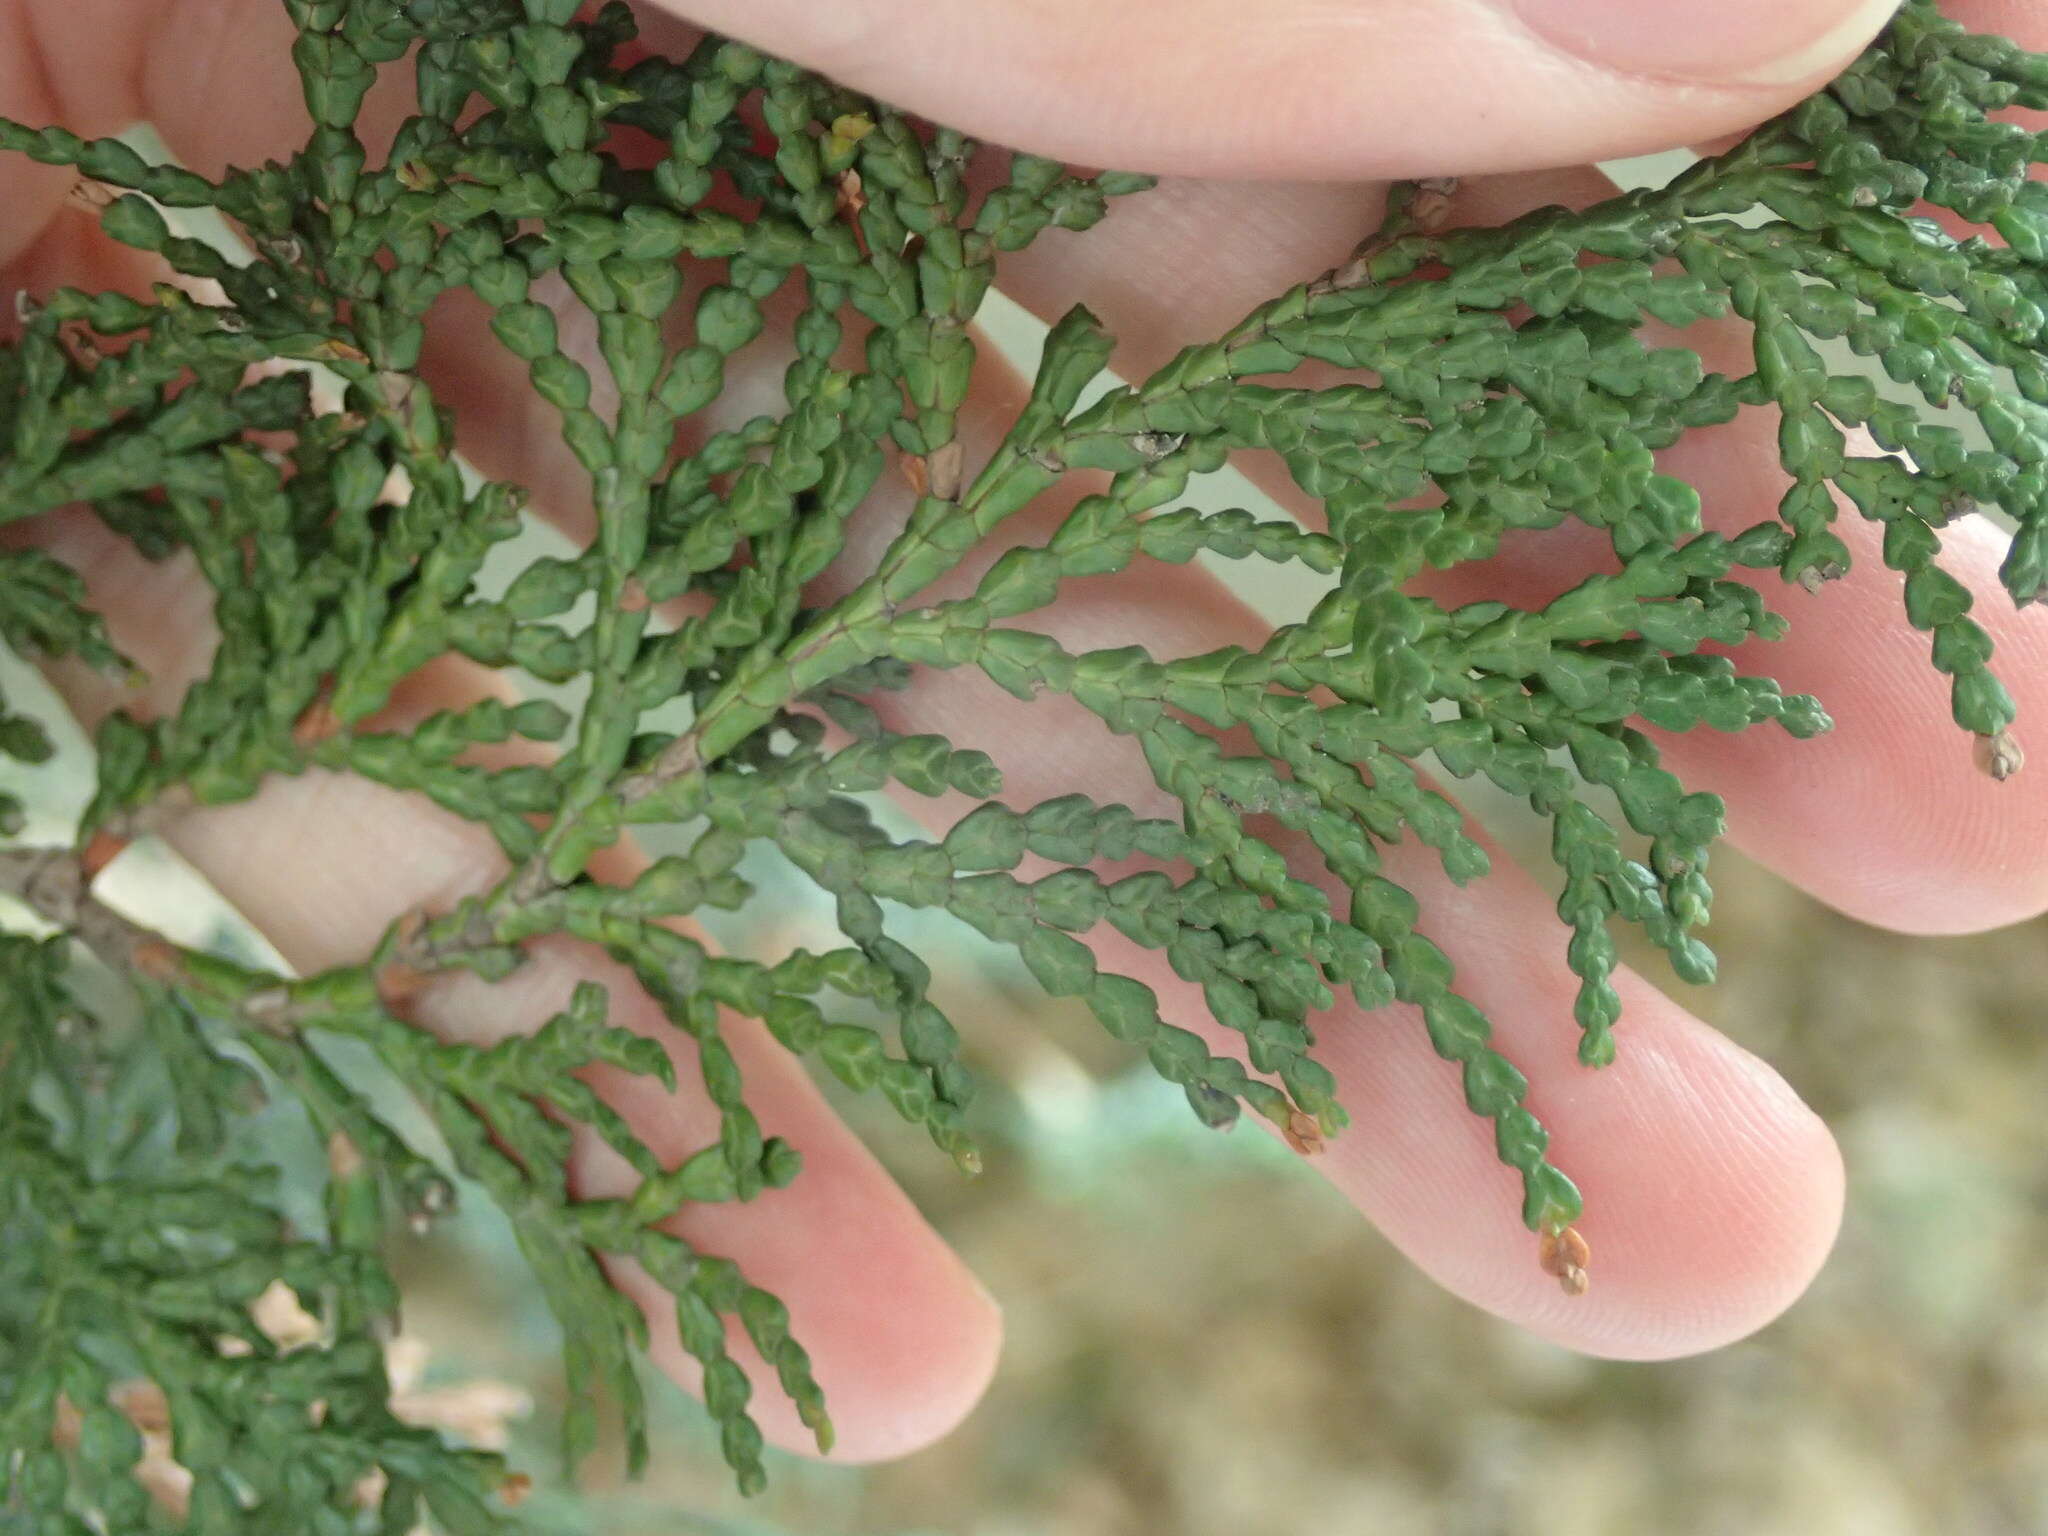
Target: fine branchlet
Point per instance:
(694, 216)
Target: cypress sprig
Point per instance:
(345, 543)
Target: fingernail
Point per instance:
(1720, 42)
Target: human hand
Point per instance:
(1713, 1194)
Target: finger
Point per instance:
(903, 1339)
(1320, 88)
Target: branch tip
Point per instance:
(1303, 1133)
(1999, 755)
(1566, 1255)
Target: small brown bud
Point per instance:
(1303, 1133)
(1566, 1255)
(2000, 756)
(513, 1490)
(1814, 575)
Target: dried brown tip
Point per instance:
(913, 467)
(92, 195)
(332, 349)
(1566, 1256)
(1815, 576)
(2000, 756)
(513, 1490)
(1957, 504)
(1303, 1133)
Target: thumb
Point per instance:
(1320, 89)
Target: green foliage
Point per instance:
(1512, 389)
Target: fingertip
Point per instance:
(1713, 1200)
(903, 1341)
(921, 1376)
(1712, 1193)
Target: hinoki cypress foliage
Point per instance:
(1510, 389)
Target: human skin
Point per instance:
(1712, 1192)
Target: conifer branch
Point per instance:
(1497, 380)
